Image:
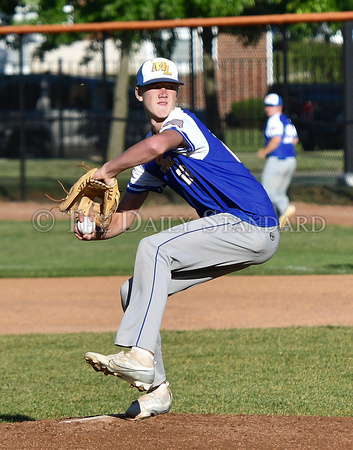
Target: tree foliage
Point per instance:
(87, 11)
(8, 6)
(300, 30)
(7, 10)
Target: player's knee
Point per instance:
(146, 247)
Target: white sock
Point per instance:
(143, 351)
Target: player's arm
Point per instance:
(270, 147)
(121, 220)
(140, 153)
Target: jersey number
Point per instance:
(184, 174)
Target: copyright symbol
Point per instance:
(43, 221)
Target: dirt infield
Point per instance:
(293, 300)
(342, 215)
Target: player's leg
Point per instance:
(138, 376)
(160, 376)
(191, 253)
(158, 399)
(271, 179)
(180, 257)
(284, 177)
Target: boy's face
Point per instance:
(271, 110)
(159, 99)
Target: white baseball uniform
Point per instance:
(281, 163)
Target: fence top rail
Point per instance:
(103, 27)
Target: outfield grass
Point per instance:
(329, 162)
(291, 371)
(246, 142)
(27, 252)
(41, 177)
(317, 167)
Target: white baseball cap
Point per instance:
(273, 100)
(157, 69)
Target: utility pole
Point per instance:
(347, 177)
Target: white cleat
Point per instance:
(125, 366)
(289, 212)
(156, 401)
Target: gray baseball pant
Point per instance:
(179, 258)
(276, 177)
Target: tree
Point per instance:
(296, 32)
(8, 15)
(212, 8)
(128, 10)
(301, 30)
(86, 11)
(8, 10)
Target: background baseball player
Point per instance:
(280, 140)
(237, 227)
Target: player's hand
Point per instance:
(100, 174)
(82, 236)
(262, 153)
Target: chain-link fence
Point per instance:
(65, 105)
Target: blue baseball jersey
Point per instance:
(206, 173)
(281, 125)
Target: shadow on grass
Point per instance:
(11, 418)
(344, 267)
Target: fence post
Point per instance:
(21, 93)
(104, 115)
(348, 102)
(192, 75)
(61, 112)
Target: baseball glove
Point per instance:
(90, 196)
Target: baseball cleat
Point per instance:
(125, 366)
(156, 401)
(289, 212)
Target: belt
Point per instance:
(281, 157)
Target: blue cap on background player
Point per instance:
(157, 69)
(273, 100)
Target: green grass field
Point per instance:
(41, 177)
(317, 168)
(296, 371)
(291, 371)
(305, 249)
